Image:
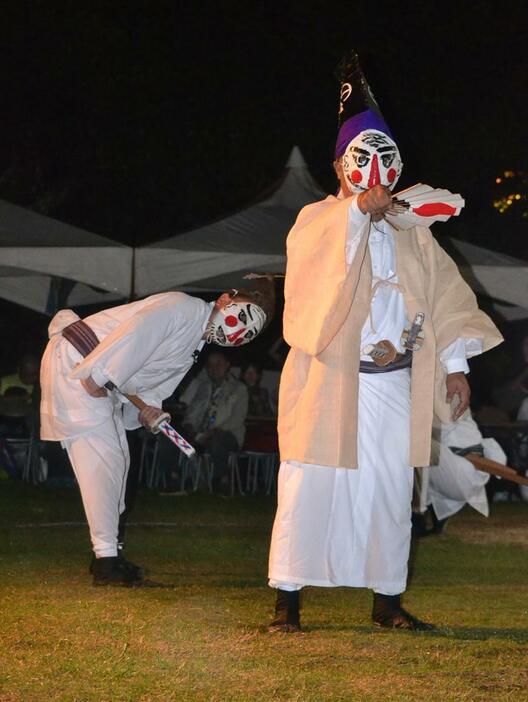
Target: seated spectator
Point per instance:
(16, 394)
(15, 412)
(510, 395)
(259, 403)
(16, 391)
(522, 414)
(216, 409)
(24, 379)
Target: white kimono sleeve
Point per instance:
(356, 221)
(453, 357)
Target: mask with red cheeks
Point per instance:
(371, 158)
(235, 324)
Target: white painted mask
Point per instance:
(235, 324)
(372, 158)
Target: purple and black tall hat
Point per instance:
(358, 109)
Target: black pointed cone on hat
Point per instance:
(355, 95)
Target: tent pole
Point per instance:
(132, 291)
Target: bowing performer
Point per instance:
(380, 324)
(452, 481)
(143, 348)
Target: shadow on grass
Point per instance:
(482, 634)
(183, 580)
(458, 633)
(413, 555)
(241, 584)
(146, 583)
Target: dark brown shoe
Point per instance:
(287, 616)
(113, 571)
(138, 572)
(388, 613)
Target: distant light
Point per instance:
(519, 199)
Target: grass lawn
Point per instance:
(203, 637)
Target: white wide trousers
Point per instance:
(339, 526)
(454, 481)
(100, 461)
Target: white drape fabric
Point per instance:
(336, 526)
(388, 316)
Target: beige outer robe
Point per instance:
(326, 305)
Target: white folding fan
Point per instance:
(422, 205)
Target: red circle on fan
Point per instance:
(391, 174)
(231, 320)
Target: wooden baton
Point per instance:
(493, 468)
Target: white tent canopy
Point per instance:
(495, 275)
(217, 255)
(44, 261)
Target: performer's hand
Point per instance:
(457, 384)
(148, 415)
(375, 201)
(92, 388)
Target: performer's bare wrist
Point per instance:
(148, 415)
(360, 197)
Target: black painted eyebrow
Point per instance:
(386, 148)
(356, 149)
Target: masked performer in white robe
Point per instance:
(348, 433)
(145, 348)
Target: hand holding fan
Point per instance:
(421, 205)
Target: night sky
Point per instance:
(140, 120)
